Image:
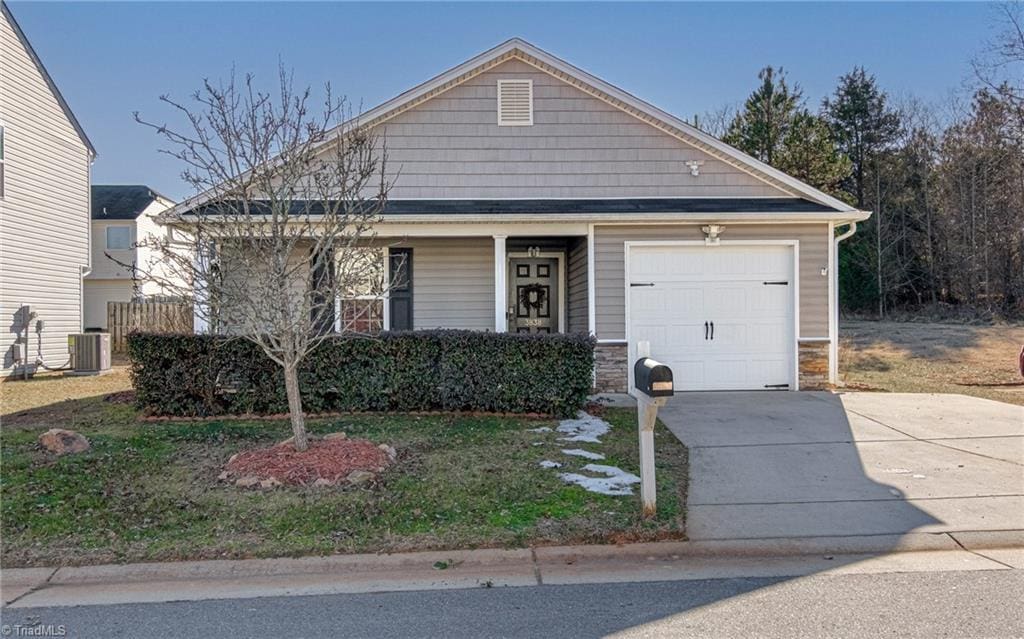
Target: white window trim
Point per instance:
(529, 85)
(383, 296)
(795, 244)
(106, 237)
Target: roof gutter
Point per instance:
(833, 356)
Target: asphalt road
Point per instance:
(936, 604)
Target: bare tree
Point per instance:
(1000, 66)
(279, 230)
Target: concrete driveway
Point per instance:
(769, 465)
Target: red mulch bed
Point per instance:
(328, 459)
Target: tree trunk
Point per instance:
(291, 386)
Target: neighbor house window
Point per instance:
(361, 284)
(119, 237)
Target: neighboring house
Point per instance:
(45, 160)
(534, 197)
(123, 216)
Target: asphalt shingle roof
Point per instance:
(120, 201)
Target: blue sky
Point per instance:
(111, 59)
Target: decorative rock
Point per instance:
(336, 436)
(357, 477)
(224, 476)
(246, 482)
(392, 453)
(63, 442)
(322, 483)
(269, 483)
(232, 458)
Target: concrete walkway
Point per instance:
(772, 465)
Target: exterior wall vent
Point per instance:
(515, 102)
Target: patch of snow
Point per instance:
(585, 428)
(550, 464)
(579, 452)
(616, 482)
(542, 429)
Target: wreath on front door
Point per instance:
(532, 296)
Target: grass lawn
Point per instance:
(911, 357)
(148, 491)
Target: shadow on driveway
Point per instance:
(809, 464)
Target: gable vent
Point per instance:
(515, 102)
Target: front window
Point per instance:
(119, 237)
(361, 283)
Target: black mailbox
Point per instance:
(653, 378)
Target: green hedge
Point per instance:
(443, 370)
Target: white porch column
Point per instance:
(500, 285)
(200, 292)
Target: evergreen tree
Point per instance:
(809, 153)
(760, 129)
(863, 124)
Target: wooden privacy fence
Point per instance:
(148, 316)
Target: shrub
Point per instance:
(442, 370)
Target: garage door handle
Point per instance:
(712, 331)
(705, 330)
(641, 283)
(775, 283)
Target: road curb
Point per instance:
(172, 581)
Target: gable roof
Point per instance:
(121, 201)
(519, 49)
(46, 77)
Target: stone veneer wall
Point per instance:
(610, 369)
(813, 365)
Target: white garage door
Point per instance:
(721, 317)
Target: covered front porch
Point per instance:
(516, 280)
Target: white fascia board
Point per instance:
(545, 221)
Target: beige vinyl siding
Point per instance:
(453, 282)
(98, 293)
(609, 268)
(44, 226)
(579, 146)
(578, 320)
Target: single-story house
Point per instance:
(123, 216)
(534, 197)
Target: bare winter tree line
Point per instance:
(946, 186)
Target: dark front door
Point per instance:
(533, 295)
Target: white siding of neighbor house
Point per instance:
(609, 268)
(98, 293)
(453, 282)
(105, 264)
(44, 226)
(579, 146)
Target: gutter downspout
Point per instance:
(833, 359)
